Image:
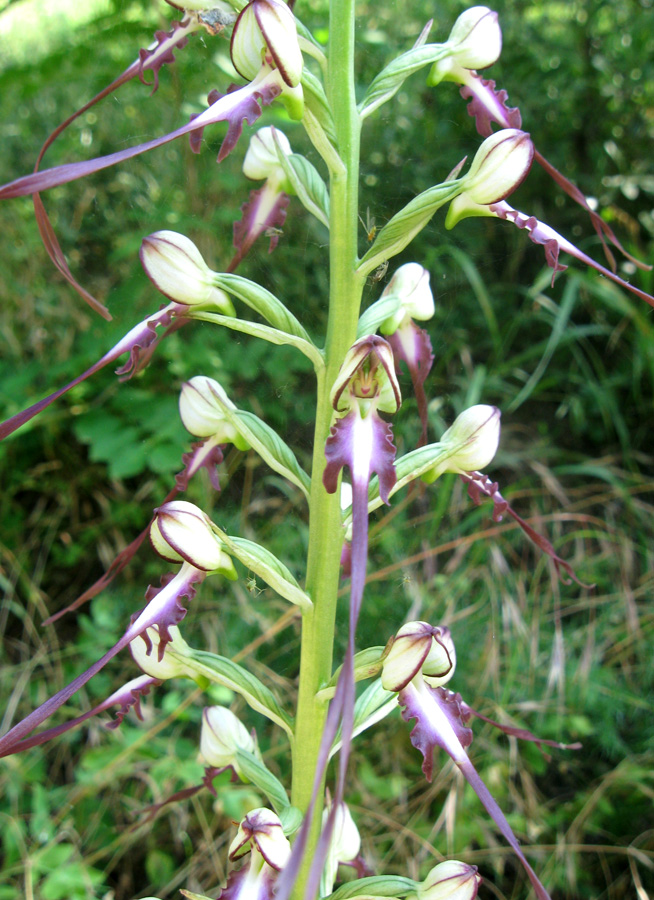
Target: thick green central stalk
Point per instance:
(326, 533)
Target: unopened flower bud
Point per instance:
(410, 284)
(267, 27)
(222, 736)
(344, 845)
(261, 160)
(176, 267)
(261, 832)
(201, 407)
(473, 437)
(181, 532)
(475, 42)
(499, 168)
(450, 880)
(419, 647)
(169, 666)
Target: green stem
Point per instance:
(325, 529)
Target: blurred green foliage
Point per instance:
(571, 366)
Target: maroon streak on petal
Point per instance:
(164, 609)
(440, 722)
(203, 455)
(479, 484)
(488, 105)
(554, 243)
(127, 697)
(413, 345)
(522, 733)
(140, 337)
(116, 567)
(153, 58)
(233, 108)
(265, 211)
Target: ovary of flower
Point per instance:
(181, 532)
(222, 735)
(410, 284)
(202, 403)
(475, 42)
(176, 267)
(500, 165)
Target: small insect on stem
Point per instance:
(380, 271)
(369, 225)
(251, 585)
(273, 232)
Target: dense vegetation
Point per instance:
(571, 366)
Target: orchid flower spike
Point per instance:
(260, 834)
(181, 532)
(222, 736)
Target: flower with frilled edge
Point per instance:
(420, 654)
(488, 106)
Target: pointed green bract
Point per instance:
(305, 180)
(391, 79)
(220, 670)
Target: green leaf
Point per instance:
(316, 101)
(189, 894)
(306, 183)
(381, 310)
(270, 447)
(409, 467)
(406, 224)
(266, 565)
(371, 707)
(221, 670)
(390, 79)
(367, 664)
(262, 302)
(265, 332)
(375, 886)
(256, 772)
(291, 819)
